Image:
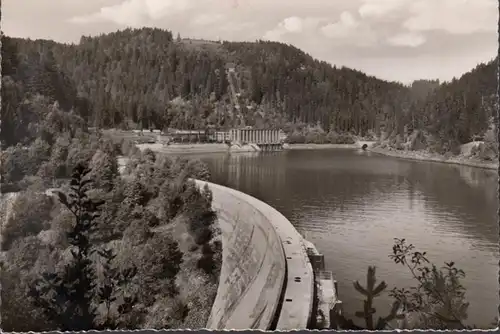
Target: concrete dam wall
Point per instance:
(266, 278)
(253, 267)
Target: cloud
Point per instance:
(411, 39)
(381, 8)
(293, 25)
(135, 12)
(346, 25)
(453, 16)
(207, 19)
(350, 31)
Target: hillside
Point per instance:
(459, 111)
(36, 96)
(130, 76)
(165, 233)
(144, 78)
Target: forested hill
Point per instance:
(38, 99)
(131, 76)
(455, 112)
(147, 78)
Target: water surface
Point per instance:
(352, 205)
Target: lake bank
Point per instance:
(185, 148)
(434, 157)
(412, 155)
(319, 146)
(224, 148)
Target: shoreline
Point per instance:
(320, 146)
(185, 148)
(182, 149)
(224, 148)
(426, 156)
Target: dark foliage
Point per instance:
(66, 297)
(136, 76)
(436, 302)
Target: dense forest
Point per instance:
(84, 244)
(131, 76)
(136, 78)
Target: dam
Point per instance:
(267, 279)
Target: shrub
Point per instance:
(30, 215)
(296, 138)
(437, 300)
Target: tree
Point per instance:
(104, 170)
(436, 302)
(111, 291)
(31, 212)
(66, 297)
(160, 261)
(439, 297)
(17, 270)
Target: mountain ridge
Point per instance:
(130, 78)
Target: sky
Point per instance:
(398, 40)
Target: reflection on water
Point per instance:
(352, 204)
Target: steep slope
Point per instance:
(33, 85)
(458, 111)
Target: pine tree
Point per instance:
(111, 290)
(67, 297)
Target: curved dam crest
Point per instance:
(266, 278)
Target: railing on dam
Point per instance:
(283, 279)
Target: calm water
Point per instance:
(352, 204)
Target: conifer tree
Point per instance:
(67, 297)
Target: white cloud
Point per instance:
(293, 25)
(350, 31)
(346, 26)
(136, 12)
(273, 35)
(207, 19)
(411, 39)
(453, 16)
(380, 8)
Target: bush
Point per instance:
(437, 300)
(211, 259)
(198, 169)
(30, 215)
(126, 147)
(296, 139)
(398, 142)
(159, 262)
(332, 137)
(315, 138)
(345, 138)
